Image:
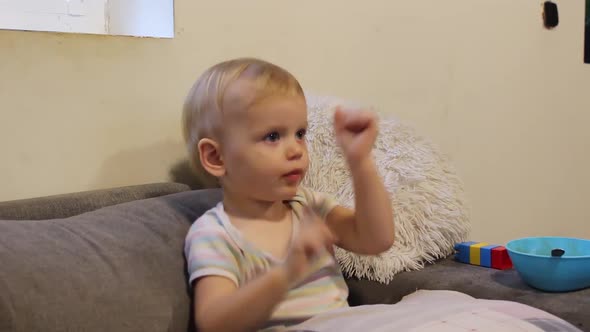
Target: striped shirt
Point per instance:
(214, 247)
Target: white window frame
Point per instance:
(142, 18)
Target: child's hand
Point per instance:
(313, 239)
(355, 132)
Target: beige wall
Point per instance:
(505, 98)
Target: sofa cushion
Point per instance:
(119, 268)
(476, 281)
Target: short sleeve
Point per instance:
(321, 203)
(210, 252)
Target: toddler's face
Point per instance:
(264, 148)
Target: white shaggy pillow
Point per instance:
(428, 198)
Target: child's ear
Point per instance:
(210, 156)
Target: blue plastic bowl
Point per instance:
(532, 259)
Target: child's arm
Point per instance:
(221, 306)
(369, 229)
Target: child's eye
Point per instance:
(301, 133)
(272, 137)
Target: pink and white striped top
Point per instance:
(213, 246)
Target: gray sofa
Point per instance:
(112, 260)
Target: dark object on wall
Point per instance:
(587, 33)
(550, 15)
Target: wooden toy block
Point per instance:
(501, 259)
(486, 255)
(462, 250)
(475, 253)
(483, 254)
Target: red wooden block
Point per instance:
(500, 258)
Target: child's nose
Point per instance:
(295, 151)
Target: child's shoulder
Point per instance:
(210, 232)
(309, 196)
(319, 201)
(210, 222)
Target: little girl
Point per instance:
(262, 257)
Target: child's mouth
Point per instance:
(294, 176)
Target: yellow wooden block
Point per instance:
(475, 253)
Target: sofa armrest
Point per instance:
(67, 205)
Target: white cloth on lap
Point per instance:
(439, 311)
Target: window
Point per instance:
(144, 18)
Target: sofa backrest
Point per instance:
(71, 204)
(119, 268)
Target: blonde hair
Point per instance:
(203, 107)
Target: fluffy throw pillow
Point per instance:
(428, 198)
